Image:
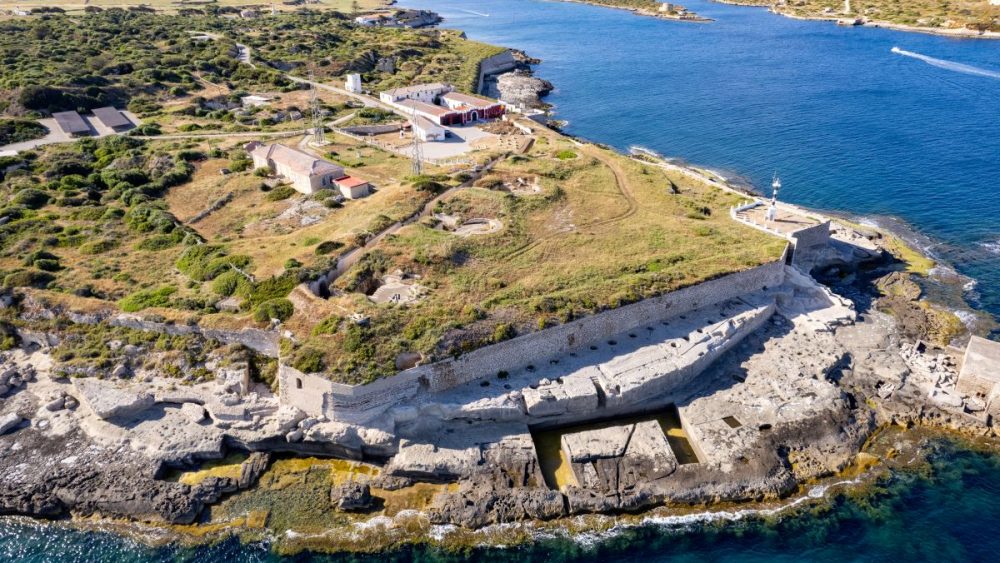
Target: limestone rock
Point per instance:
(195, 413)
(9, 422)
(109, 401)
(352, 496)
(252, 469)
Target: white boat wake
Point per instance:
(474, 13)
(948, 65)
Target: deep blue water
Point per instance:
(948, 512)
(848, 124)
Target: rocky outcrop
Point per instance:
(352, 496)
(521, 89)
(108, 400)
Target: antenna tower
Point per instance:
(417, 151)
(314, 109)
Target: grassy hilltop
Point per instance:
(151, 226)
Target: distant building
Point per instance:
(71, 123)
(370, 20)
(472, 108)
(427, 93)
(427, 130)
(353, 83)
(306, 172)
(113, 119)
(666, 7)
(254, 101)
(440, 104)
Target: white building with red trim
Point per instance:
(441, 104)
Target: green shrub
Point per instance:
(272, 288)
(161, 242)
(280, 309)
(328, 325)
(204, 262)
(227, 283)
(503, 331)
(565, 154)
(28, 278)
(98, 246)
(145, 298)
(328, 246)
(308, 360)
(18, 130)
(30, 198)
(47, 264)
(280, 193)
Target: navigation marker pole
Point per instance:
(772, 211)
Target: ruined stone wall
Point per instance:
(538, 346)
(262, 341)
(305, 391)
(347, 401)
(809, 242)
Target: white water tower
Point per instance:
(353, 83)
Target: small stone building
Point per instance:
(353, 187)
(980, 375)
(427, 130)
(306, 172)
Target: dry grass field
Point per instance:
(600, 230)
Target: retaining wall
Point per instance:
(347, 402)
(262, 341)
(809, 241)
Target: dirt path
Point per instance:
(348, 259)
(621, 182)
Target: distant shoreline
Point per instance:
(961, 32)
(695, 18)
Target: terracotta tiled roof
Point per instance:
(350, 182)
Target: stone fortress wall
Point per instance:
(318, 396)
(810, 241)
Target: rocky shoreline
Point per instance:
(739, 401)
(858, 371)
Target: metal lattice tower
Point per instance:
(417, 152)
(314, 109)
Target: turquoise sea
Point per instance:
(849, 125)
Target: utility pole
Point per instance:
(314, 109)
(417, 153)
